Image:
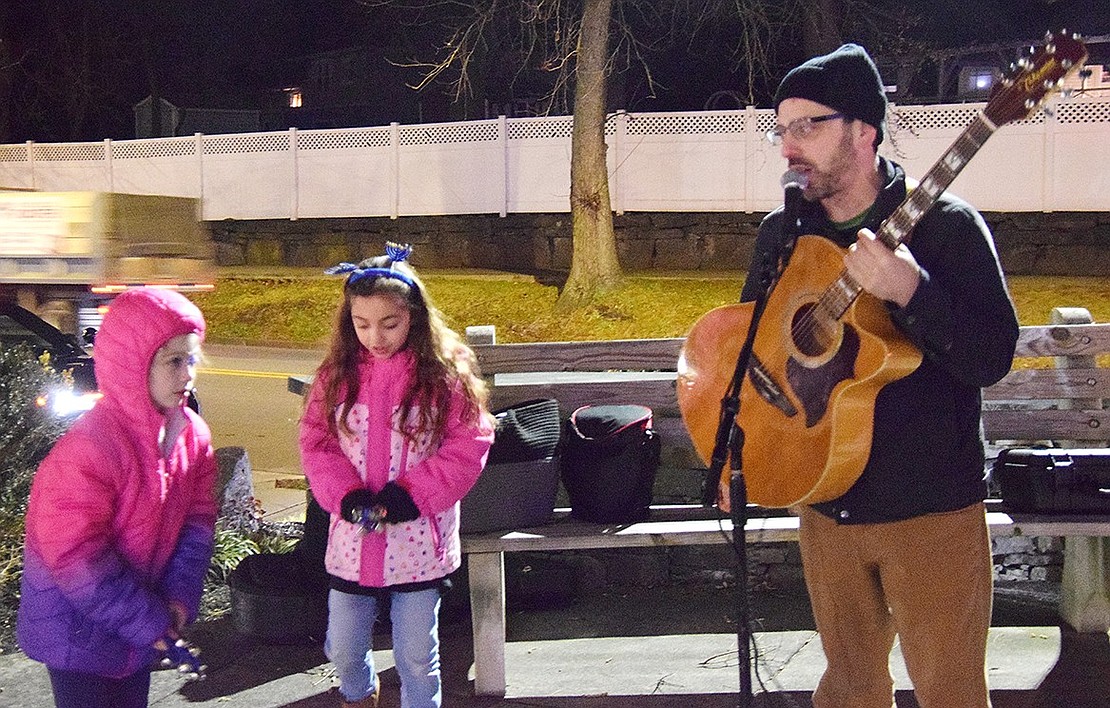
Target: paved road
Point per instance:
(246, 403)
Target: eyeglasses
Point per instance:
(799, 128)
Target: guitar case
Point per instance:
(1054, 480)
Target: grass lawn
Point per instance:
(295, 307)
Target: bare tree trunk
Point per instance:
(821, 33)
(594, 265)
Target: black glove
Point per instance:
(398, 504)
(353, 502)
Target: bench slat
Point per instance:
(1034, 384)
(657, 395)
(630, 354)
(1047, 424)
(662, 354)
(570, 534)
(1063, 340)
(1021, 385)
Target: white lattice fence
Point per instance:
(698, 161)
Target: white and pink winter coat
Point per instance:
(436, 477)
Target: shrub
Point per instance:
(27, 432)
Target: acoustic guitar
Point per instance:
(824, 348)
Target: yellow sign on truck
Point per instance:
(64, 251)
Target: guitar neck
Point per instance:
(896, 228)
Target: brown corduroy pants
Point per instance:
(926, 580)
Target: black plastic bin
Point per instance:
(609, 461)
(283, 597)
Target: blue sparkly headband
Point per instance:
(398, 253)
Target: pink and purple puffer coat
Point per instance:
(115, 529)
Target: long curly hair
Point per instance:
(444, 362)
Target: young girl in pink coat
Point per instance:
(395, 432)
(121, 516)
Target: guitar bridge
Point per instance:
(769, 390)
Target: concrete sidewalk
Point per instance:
(671, 646)
(649, 648)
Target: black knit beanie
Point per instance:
(845, 80)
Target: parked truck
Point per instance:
(64, 255)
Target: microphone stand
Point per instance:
(729, 441)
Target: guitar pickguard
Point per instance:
(814, 385)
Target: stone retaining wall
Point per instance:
(1029, 243)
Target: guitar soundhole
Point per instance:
(813, 335)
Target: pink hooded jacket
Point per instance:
(437, 477)
(115, 529)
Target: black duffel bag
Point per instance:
(610, 457)
(526, 431)
(517, 488)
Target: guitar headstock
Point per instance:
(1035, 77)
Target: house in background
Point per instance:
(970, 73)
(162, 119)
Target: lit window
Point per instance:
(296, 98)
(979, 80)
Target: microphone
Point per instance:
(793, 183)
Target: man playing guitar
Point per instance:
(905, 550)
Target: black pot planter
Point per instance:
(274, 598)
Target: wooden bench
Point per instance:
(1030, 406)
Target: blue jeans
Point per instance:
(76, 689)
(349, 645)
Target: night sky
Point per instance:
(73, 71)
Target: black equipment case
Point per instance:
(610, 458)
(1054, 480)
(518, 487)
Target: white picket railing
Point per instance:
(701, 161)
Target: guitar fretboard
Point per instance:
(840, 295)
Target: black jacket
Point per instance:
(927, 452)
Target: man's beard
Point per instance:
(828, 182)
